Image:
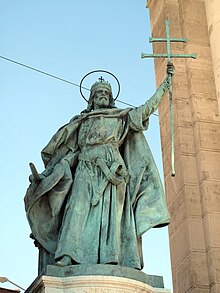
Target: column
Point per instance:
(193, 196)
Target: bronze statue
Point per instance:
(100, 190)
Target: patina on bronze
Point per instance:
(100, 190)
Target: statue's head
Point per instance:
(100, 96)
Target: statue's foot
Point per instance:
(65, 261)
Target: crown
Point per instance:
(101, 83)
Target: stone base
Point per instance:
(96, 278)
(90, 284)
(104, 270)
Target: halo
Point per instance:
(94, 71)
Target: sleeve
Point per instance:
(139, 116)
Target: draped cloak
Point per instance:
(49, 202)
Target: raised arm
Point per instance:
(154, 102)
(139, 116)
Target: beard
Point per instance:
(102, 102)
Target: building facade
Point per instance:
(193, 195)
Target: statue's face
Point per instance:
(101, 98)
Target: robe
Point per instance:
(101, 190)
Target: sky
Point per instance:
(67, 39)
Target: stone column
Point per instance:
(193, 195)
(213, 19)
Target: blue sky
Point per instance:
(68, 39)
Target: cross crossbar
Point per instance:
(143, 55)
(168, 40)
(152, 40)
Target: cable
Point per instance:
(42, 72)
(56, 77)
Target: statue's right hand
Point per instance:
(113, 179)
(33, 179)
(46, 172)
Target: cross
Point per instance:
(101, 79)
(168, 55)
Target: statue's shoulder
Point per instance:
(76, 118)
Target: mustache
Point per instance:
(103, 97)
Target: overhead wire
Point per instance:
(56, 77)
(41, 71)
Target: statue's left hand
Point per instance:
(170, 69)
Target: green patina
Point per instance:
(100, 190)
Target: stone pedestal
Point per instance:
(91, 284)
(96, 279)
